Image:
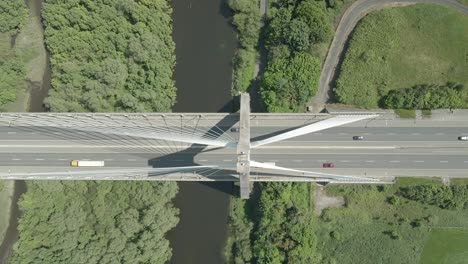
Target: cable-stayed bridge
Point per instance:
(241, 147)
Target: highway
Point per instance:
(385, 151)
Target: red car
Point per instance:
(329, 165)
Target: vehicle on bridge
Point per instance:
(463, 138)
(329, 165)
(358, 137)
(87, 163)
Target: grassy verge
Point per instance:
(446, 246)
(379, 226)
(426, 113)
(406, 113)
(400, 48)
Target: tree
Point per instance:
(314, 14)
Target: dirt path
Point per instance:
(322, 201)
(347, 23)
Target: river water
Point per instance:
(205, 44)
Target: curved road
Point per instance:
(348, 21)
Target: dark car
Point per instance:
(235, 129)
(358, 138)
(328, 165)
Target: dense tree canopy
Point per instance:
(285, 232)
(110, 55)
(289, 82)
(12, 15)
(292, 73)
(90, 222)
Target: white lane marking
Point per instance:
(227, 160)
(297, 160)
(61, 159)
(394, 161)
(274, 160)
(342, 133)
(39, 159)
(11, 133)
(366, 134)
(345, 161)
(318, 133)
(370, 160)
(15, 159)
(440, 134)
(415, 134)
(391, 134)
(418, 161)
(108, 159)
(466, 161)
(57, 133)
(444, 161)
(131, 159)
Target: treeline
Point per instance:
(246, 19)
(12, 15)
(445, 197)
(110, 55)
(280, 230)
(89, 222)
(292, 73)
(425, 96)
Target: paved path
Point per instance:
(348, 21)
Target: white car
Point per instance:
(463, 138)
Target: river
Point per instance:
(205, 45)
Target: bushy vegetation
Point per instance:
(403, 47)
(12, 15)
(110, 55)
(428, 97)
(282, 230)
(90, 222)
(292, 73)
(246, 19)
(379, 225)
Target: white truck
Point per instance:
(87, 163)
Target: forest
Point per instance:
(110, 56)
(292, 72)
(89, 222)
(12, 15)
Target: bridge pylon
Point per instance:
(243, 147)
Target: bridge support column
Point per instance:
(243, 147)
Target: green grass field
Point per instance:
(400, 47)
(446, 246)
(370, 229)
